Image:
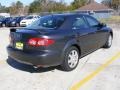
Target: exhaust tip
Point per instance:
(35, 67)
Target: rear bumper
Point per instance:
(44, 59)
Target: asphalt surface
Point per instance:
(17, 76)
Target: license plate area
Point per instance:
(19, 45)
(15, 40)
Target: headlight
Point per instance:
(13, 22)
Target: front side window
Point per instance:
(92, 22)
(79, 23)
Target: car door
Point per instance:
(100, 35)
(87, 36)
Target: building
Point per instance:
(98, 10)
(5, 14)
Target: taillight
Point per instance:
(40, 42)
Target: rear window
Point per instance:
(48, 22)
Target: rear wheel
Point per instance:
(3, 25)
(109, 42)
(71, 59)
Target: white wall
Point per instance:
(5, 14)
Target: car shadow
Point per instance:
(29, 68)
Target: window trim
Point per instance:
(82, 17)
(91, 18)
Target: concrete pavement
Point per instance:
(16, 76)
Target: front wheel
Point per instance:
(17, 24)
(71, 59)
(108, 44)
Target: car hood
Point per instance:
(1, 20)
(27, 20)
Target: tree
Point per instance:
(38, 6)
(3, 9)
(107, 3)
(115, 4)
(26, 9)
(35, 6)
(16, 8)
(90, 1)
(13, 9)
(78, 3)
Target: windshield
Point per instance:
(29, 17)
(14, 18)
(7, 19)
(48, 22)
(1, 19)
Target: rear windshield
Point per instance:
(48, 22)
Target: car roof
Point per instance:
(70, 14)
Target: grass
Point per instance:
(111, 20)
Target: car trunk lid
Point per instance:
(19, 38)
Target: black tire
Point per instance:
(17, 24)
(66, 64)
(108, 44)
(3, 25)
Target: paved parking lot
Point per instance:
(97, 71)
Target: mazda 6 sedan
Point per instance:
(58, 39)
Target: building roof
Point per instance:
(94, 6)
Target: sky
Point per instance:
(27, 2)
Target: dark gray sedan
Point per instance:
(58, 39)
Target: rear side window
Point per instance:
(59, 21)
(79, 23)
(92, 21)
(47, 22)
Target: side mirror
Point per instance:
(102, 25)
